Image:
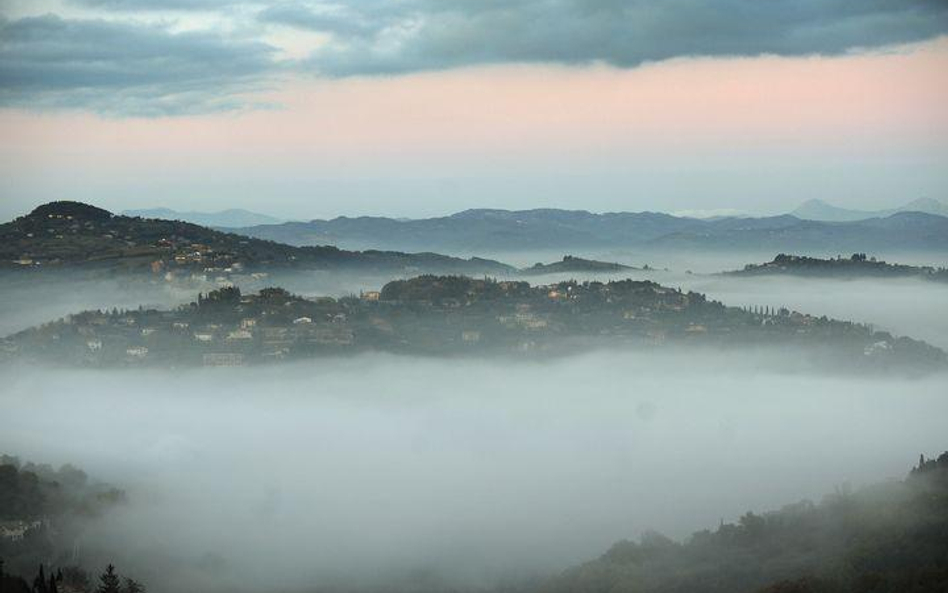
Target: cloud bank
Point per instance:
(438, 34)
(127, 68)
(116, 63)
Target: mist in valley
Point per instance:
(323, 297)
(386, 471)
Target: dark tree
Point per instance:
(39, 583)
(109, 581)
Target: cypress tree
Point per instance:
(39, 583)
(109, 581)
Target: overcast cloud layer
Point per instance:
(154, 57)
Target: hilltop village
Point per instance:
(858, 265)
(75, 236)
(441, 315)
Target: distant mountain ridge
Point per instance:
(824, 211)
(493, 230)
(230, 218)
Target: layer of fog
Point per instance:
(380, 468)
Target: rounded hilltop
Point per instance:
(66, 208)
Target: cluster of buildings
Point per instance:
(429, 314)
(17, 530)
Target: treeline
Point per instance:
(888, 538)
(33, 491)
(435, 289)
(44, 510)
(71, 579)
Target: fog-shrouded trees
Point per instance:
(886, 538)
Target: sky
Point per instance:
(313, 109)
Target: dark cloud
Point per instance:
(412, 35)
(147, 5)
(125, 69)
(338, 20)
(129, 68)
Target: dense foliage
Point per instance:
(43, 510)
(31, 491)
(888, 538)
(71, 579)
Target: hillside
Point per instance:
(43, 510)
(571, 264)
(856, 266)
(887, 538)
(72, 235)
(906, 231)
(456, 315)
(487, 231)
(821, 210)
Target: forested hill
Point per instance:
(572, 264)
(887, 538)
(71, 235)
(43, 511)
(858, 265)
(456, 315)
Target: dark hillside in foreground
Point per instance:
(44, 511)
(72, 235)
(887, 538)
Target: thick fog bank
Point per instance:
(379, 468)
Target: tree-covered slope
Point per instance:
(70, 235)
(887, 538)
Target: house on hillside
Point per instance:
(223, 359)
(239, 335)
(137, 352)
(16, 530)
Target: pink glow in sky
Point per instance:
(653, 137)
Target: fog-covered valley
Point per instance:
(532, 296)
(384, 470)
(280, 453)
(357, 470)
